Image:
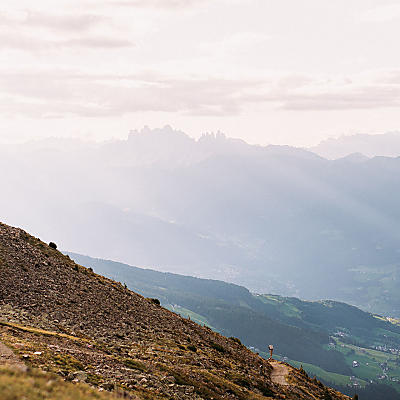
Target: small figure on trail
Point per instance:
(271, 350)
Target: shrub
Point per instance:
(53, 245)
(192, 348)
(68, 363)
(181, 379)
(236, 340)
(154, 301)
(217, 347)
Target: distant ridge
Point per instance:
(275, 219)
(387, 144)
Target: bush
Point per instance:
(192, 348)
(53, 245)
(154, 301)
(236, 340)
(217, 347)
(327, 395)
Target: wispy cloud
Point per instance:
(31, 43)
(97, 42)
(34, 19)
(33, 31)
(89, 95)
(372, 90)
(63, 22)
(166, 4)
(368, 97)
(384, 13)
(237, 43)
(106, 95)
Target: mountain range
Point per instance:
(275, 219)
(363, 145)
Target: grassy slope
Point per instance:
(228, 308)
(364, 373)
(313, 370)
(36, 385)
(66, 319)
(199, 319)
(188, 294)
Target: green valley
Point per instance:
(338, 343)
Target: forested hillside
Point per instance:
(324, 336)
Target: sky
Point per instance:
(267, 71)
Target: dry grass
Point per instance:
(42, 331)
(36, 385)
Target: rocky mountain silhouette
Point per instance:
(275, 219)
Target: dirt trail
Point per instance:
(279, 373)
(9, 359)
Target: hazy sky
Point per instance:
(268, 71)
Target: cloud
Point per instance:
(31, 43)
(109, 95)
(96, 42)
(369, 97)
(72, 23)
(239, 42)
(63, 93)
(381, 14)
(166, 4)
(30, 19)
(27, 31)
(369, 90)
(390, 77)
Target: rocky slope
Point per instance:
(63, 318)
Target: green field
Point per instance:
(284, 307)
(369, 369)
(337, 379)
(371, 364)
